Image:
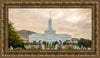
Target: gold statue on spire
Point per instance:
(50, 12)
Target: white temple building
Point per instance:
(49, 35)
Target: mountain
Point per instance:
(24, 34)
(75, 39)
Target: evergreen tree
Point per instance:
(13, 38)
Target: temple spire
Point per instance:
(50, 21)
(50, 13)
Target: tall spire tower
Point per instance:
(50, 21)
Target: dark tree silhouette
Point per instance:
(14, 38)
(84, 42)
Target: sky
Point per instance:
(73, 21)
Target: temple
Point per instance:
(49, 35)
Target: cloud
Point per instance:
(74, 21)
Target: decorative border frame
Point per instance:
(5, 5)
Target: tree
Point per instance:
(66, 42)
(34, 43)
(54, 43)
(39, 42)
(44, 43)
(84, 42)
(14, 38)
(60, 42)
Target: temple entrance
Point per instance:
(50, 42)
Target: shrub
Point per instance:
(18, 48)
(68, 47)
(59, 47)
(50, 47)
(53, 47)
(33, 48)
(27, 43)
(39, 47)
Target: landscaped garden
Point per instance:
(16, 43)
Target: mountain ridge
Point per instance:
(24, 34)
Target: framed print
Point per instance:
(43, 28)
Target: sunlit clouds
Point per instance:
(73, 21)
